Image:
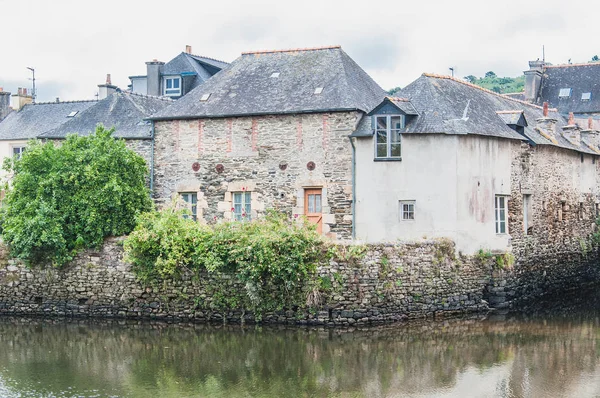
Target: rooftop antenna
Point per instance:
(33, 92)
(543, 53)
(452, 70)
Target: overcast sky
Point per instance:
(73, 44)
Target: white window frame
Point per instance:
(17, 151)
(241, 202)
(501, 214)
(407, 209)
(565, 92)
(172, 92)
(191, 200)
(388, 136)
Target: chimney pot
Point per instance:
(571, 119)
(1, 89)
(188, 49)
(545, 109)
(590, 123)
(108, 79)
(57, 100)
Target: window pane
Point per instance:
(175, 83)
(381, 137)
(382, 122)
(502, 227)
(501, 202)
(169, 83)
(247, 197)
(396, 122)
(311, 203)
(395, 136)
(381, 150)
(317, 203)
(502, 215)
(395, 153)
(237, 198)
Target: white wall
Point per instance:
(453, 180)
(139, 85)
(6, 150)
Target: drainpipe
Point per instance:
(353, 189)
(152, 162)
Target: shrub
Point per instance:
(274, 258)
(69, 197)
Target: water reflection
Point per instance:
(538, 355)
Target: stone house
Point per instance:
(177, 77)
(269, 131)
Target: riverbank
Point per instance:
(385, 283)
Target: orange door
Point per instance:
(312, 207)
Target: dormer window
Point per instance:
(586, 96)
(172, 86)
(388, 138)
(564, 93)
(318, 90)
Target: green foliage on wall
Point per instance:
(68, 197)
(273, 258)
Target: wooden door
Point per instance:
(313, 207)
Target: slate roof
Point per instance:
(448, 105)
(512, 117)
(580, 78)
(34, 119)
(246, 86)
(202, 67)
(122, 110)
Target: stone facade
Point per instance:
(387, 283)
(267, 156)
(142, 148)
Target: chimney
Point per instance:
(572, 132)
(57, 100)
(21, 99)
(546, 125)
(104, 90)
(188, 49)
(4, 103)
(545, 109)
(533, 80)
(154, 70)
(590, 136)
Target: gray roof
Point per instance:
(35, 119)
(580, 78)
(248, 87)
(123, 111)
(451, 106)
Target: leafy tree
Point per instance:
(394, 90)
(69, 197)
(471, 79)
(595, 58)
(490, 75)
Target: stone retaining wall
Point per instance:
(388, 283)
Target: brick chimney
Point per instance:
(20, 99)
(533, 80)
(547, 125)
(4, 103)
(104, 90)
(590, 136)
(154, 71)
(572, 132)
(188, 49)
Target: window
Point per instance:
(564, 93)
(318, 90)
(191, 198)
(242, 206)
(500, 210)
(387, 136)
(407, 210)
(173, 86)
(205, 97)
(586, 96)
(72, 114)
(18, 151)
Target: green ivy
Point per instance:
(69, 197)
(273, 259)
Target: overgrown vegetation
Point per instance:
(273, 259)
(501, 85)
(69, 197)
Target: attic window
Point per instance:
(586, 96)
(205, 97)
(275, 74)
(318, 90)
(564, 93)
(72, 114)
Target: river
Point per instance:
(555, 353)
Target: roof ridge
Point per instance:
(401, 99)
(292, 50)
(61, 102)
(509, 112)
(149, 96)
(569, 65)
(436, 76)
(202, 56)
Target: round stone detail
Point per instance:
(195, 166)
(220, 168)
(311, 165)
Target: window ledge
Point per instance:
(387, 159)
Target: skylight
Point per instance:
(72, 114)
(205, 97)
(586, 96)
(275, 74)
(564, 93)
(318, 90)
